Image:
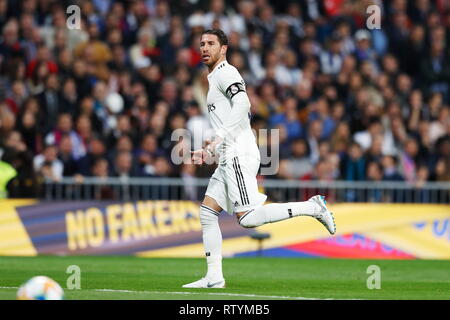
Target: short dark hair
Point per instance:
(223, 39)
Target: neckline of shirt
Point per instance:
(224, 62)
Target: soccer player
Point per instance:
(233, 186)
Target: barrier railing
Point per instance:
(126, 189)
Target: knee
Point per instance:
(208, 215)
(245, 219)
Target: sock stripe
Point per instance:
(210, 210)
(238, 180)
(241, 182)
(249, 211)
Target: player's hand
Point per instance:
(198, 156)
(211, 146)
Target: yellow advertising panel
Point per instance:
(172, 229)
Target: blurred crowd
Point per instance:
(350, 103)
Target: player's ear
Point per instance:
(223, 49)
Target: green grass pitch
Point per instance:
(127, 277)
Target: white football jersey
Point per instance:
(229, 112)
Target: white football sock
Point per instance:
(212, 242)
(274, 212)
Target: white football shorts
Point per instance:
(234, 186)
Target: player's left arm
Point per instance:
(233, 87)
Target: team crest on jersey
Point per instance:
(211, 107)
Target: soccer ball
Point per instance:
(40, 288)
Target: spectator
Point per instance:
(132, 74)
(96, 150)
(354, 164)
(145, 47)
(255, 56)
(289, 119)
(49, 101)
(298, 163)
(95, 52)
(323, 173)
(28, 126)
(65, 155)
(331, 59)
(162, 167)
(17, 96)
(411, 53)
(408, 159)
(364, 49)
(100, 170)
(390, 169)
(321, 111)
(374, 174)
(343, 31)
(341, 138)
(69, 97)
(217, 8)
(438, 128)
(43, 56)
(48, 165)
(147, 153)
(64, 126)
(365, 138)
(123, 165)
(435, 70)
(442, 170)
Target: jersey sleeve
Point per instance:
(232, 86)
(230, 83)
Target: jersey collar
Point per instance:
(219, 66)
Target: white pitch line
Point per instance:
(202, 293)
(213, 293)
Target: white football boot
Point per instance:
(324, 216)
(206, 283)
